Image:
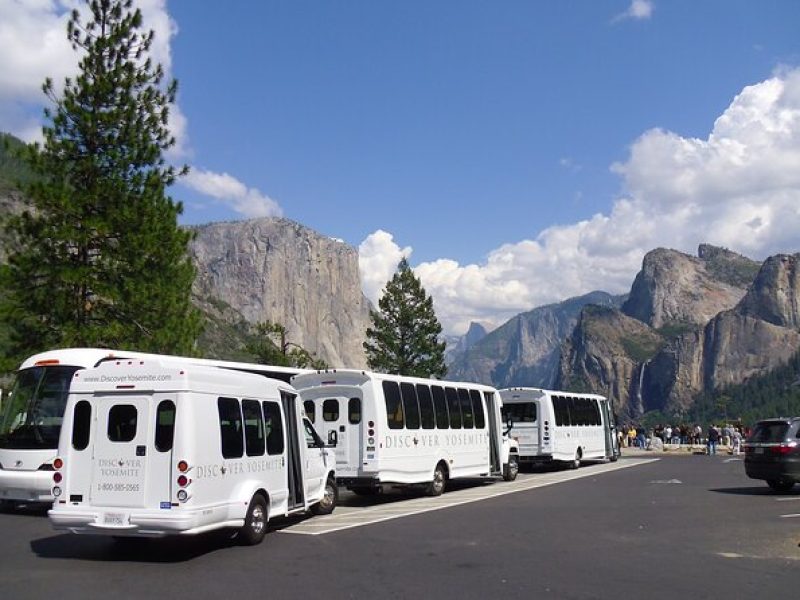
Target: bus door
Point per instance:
(609, 430)
(342, 415)
(124, 454)
(495, 430)
(294, 468)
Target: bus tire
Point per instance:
(255, 523)
(437, 484)
(511, 470)
(330, 498)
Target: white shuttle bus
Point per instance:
(554, 426)
(151, 448)
(394, 430)
(31, 415)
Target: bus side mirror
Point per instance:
(509, 425)
(333, 438)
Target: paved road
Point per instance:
(677, 527)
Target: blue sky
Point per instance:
(518, 152)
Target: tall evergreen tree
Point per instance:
(404, 337)
(99, 259)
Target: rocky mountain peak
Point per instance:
(775, 294)
(676, 289)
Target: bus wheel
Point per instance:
(436, 486)
(329, 499)
(577, 462)
(511, 470)
(255, 523)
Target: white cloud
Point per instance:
(378, 257)
(34, 46)
(739, 188)
(248, 202)
(638, 9)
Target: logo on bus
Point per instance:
(434, 440)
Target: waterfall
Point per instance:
(639, 400)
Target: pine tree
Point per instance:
(270, 347)
(404, 337)
(99, 259)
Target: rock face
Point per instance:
(275, 269)
(525, 350)
(675, 289)
(605, 354)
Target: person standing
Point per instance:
(713, 439)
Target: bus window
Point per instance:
(230, 427)
(440, 407)
(466, 408)
(410, 405)
(453, 407)
(561, 410)
(309, 407)
(122, 423)
(394, 406)
(165, 425)
(523, 412)
(81, 425)
(253, 427)
(477, 408)
(425, 406)
(273, 426)
(330, 410)
(354, 411)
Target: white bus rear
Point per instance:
(564, 427)
(30, 421)
(152, 448)
(402, 431)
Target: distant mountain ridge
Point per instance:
(525, 350)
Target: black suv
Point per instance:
(772, 453)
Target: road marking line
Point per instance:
(321, 525)
(792, 516)
(793, 499)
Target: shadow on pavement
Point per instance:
(131, 549)
(753, 491)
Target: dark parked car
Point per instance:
(772, 453)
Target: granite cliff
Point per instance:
(278, 270)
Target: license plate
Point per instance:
(759, 451)
(114, 519)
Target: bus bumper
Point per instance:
(26, 486)
(142, 523)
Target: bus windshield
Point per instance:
(33, 411)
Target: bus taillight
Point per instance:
(57, 477)
(183, 481)
(58, 463)
(183, 466)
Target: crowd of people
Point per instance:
(731, 436)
